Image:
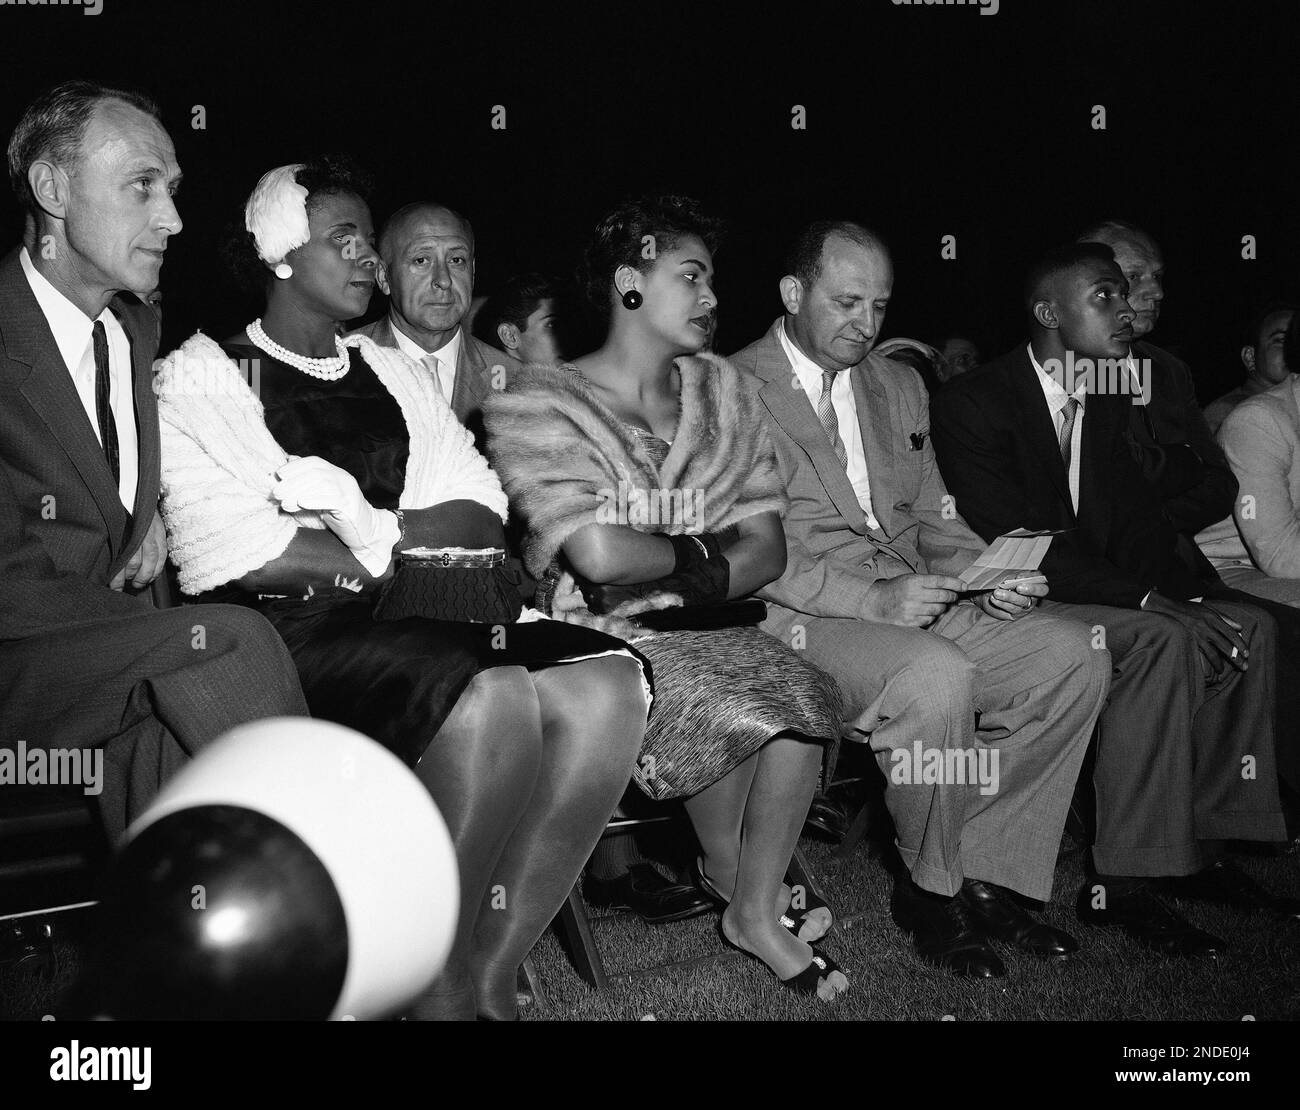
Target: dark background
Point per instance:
(921, 121)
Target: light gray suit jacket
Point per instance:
(476, 373)
(1261, 438)
(833, 556)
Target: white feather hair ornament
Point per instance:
(276, 214)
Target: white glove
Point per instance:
(313, 483)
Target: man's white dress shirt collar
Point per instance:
(845, 404)
(447, 355)
(72, 331)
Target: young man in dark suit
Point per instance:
(1187, 469)
(85, 660)
(1185, 752)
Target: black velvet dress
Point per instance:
(395, 681)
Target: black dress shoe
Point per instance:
(641, 889)
(1134, 909)
(826, 817)
(944, 931)
(1224, 885)
(998, 916)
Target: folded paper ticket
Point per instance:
(1021, 550)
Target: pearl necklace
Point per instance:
(326, 369)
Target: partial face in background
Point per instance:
(960, 356)
(837, 320)
(1264, 360)
(117, 201)
(537, 340)
(429, 269)
(334, 271)
(1093, 315)
(1143, 268)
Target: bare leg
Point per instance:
(593, 720)
(782, 787)
(481, 769)
(717, 813)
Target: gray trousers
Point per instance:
(150, 689)
(1178, 761)
(1028, 690)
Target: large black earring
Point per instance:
(632, 300)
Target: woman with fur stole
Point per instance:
(647, 483)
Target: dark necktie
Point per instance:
(1069, 413)
(103, 411)
(826, 414)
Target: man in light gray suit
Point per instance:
(932, 677)
(428, 275)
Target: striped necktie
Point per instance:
(826, 414)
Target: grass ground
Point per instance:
(1110, 979)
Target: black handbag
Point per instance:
(452, 584)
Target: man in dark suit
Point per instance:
(1185, 754)
(871, 594)
(1187, 469)
(428, 276)
(85, 660)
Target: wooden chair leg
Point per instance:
(575, 930)
(857, 832)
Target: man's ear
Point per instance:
(509, 336)
(1044, 312)
(791, 294)
(1248, 358)
(49, 184)
(381, 278)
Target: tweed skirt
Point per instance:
(721, 695)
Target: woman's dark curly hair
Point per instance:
(329, 175)
(620, 239)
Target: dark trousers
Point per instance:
(1287, 724)
(1179, 762)
(150, 689)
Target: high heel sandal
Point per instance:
(821, 966)
(788, 919)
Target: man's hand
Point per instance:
(147, 563)
(911, 600)
(1014, 596)
(1219, 637)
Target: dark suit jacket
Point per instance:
(474, 374)
(63, 531)
(833, 557)
(998, 450)
(1179, 456)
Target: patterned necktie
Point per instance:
(826, 414)
(433, 362)
(1069, 412)
(103, 411)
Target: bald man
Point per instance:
(428, 275)
(930, 671)
(1185, 754)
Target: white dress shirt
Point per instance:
(846, 417)
(72, 330)
(447, 356)
(1055, 395)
